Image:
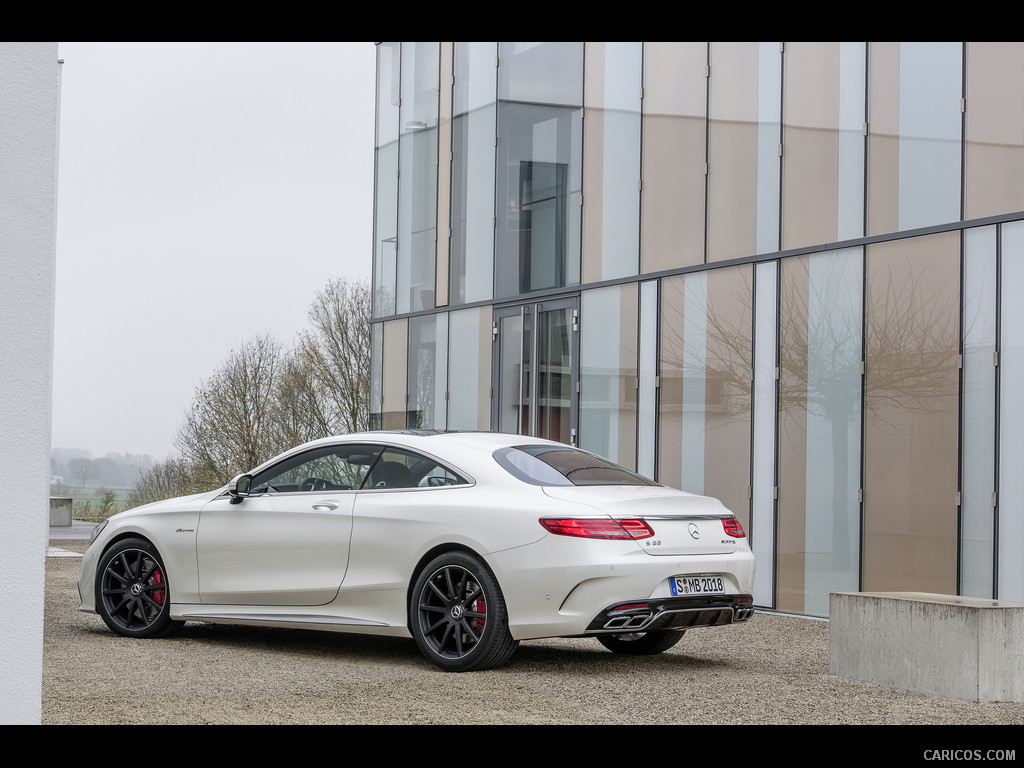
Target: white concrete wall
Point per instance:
(29, 117)
(941, 645)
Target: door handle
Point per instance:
(326, 505)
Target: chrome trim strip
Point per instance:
(282, 619)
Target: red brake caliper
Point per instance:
(158, 578)
(480, 607)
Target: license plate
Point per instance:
(696, 585)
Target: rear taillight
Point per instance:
(733, 528)
(598, 529)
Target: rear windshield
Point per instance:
(561, 465)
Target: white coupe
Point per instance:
(468, 542)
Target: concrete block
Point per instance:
(941, 645)
(60, 511)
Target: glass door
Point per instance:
(536, 366)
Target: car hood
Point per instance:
(683, 523)
(195, 501)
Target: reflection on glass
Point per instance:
(394, 356)
(674, 155)
(1011, 412)
(994, 129)
(765, 406)
(554, 375)
(911, 403)
(473, 130)
(647, 384)
(385, 217)
(376, 374)
(977, 485)
(608, 371)
(539, 167)
(914, 144)
(819, 429)
(706, 367)
(469, 378)
(513, 350)
(544, 73)
(823, 186)
(744, 106)
(417, 178)
(611, 234)
(427, 372)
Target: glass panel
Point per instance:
(444, 176)
(674, 155)
(546, 465)
(765, 407)
(743, 144)
(334, 468)
(469, 379)
(427, 372)
(729, 365)
(647, 387)
(706, 365)
(539, 166)
(995, 129)
(376, 374)
(611, 233)
(914, 143)
(977, 484)
(417, 179)
(911, 415)
(513, 380)
(385, 217)
(819, 429)
(823, 186)
(1011, 413)
(769, 141)
(608, 373)
(401, 469)
(393, 395)
(554, 375)
(474, 128)
(545, 73)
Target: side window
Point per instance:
(402, 469)
(331, 468)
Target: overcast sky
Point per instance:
(206, 192)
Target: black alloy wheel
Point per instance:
(642, 643)
(458, 615)
(132, 592)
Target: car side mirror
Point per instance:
(238, 488)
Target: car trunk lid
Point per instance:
(683, 524)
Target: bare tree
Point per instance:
(83, 469)
(301, 412)
(336, 350)
(166, 479)
(264, 399)
(226, 430)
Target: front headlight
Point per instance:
(97, 530)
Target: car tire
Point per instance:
(642, 643)
(458, 614)
(133, 595)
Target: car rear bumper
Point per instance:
(673, 613)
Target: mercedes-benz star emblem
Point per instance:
(456, 612)
(694, 530)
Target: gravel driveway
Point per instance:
(771, 670)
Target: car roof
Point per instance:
(427, 441)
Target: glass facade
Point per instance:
(778, 274)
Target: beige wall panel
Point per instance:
(911, 431)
